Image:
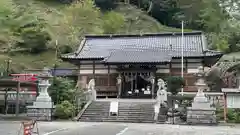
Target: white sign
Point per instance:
(233, 100)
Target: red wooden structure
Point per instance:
(26, 78)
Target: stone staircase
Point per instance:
(136, 112)
(96, 112)
(132, 112)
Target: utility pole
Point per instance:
(8, 61)
(182, 69)
(54, 69)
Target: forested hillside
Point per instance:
(32, 30)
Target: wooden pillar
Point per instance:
(186, 66)
(186, 71)
(131, 81)
(17, 99)
(79, 76)
(93, 70)
(170, 68)
(136, 80)
(108, 76)
(225, 106)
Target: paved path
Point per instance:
(83, 128)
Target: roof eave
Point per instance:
(119, 63)
(147, 34)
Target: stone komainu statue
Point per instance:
(92, 90)
(91, 84)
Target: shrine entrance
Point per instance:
(137, 83)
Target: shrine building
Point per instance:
(128, 66)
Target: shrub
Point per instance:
(174, 83)
(34, 39)
(65, 110)
(61, 90)
(233, 115)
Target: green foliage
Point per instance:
(174, 84)
(78, 19)
(112, 22)
(33, 26)
(233, 115)
(65, 110)
(62, 89)
(225, 42)
(22, 29)
(34, 39)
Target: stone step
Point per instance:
(128, 112)
(136, 108)
(91, 120)
(136, 115)
(99, 107)
(94, 110)
(131, 111)
(136, 103)
(140, 109)
(96, 114)
(130, 121)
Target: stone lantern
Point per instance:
(201, 111)
(43, 106)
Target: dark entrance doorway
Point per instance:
(136, 84)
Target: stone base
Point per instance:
(44, 114)
(162, 118)
(198, 116)
(175, 120)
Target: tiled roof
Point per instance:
(101, 47)
(62, 72)
(138, 57)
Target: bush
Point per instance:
(35, 40)
(65, 110)
(233, 115)
(174, 83)
(61, 90)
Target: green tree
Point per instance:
(78, 19)
(7, 36)
(34, 39)
(65, 110)
(112, 22)
(62, 89)
(174, 84)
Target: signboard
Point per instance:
(233, 100)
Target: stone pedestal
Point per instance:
(201, 112)
(173, 116)
(42, 108)
(175, 119)
(200, 116)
